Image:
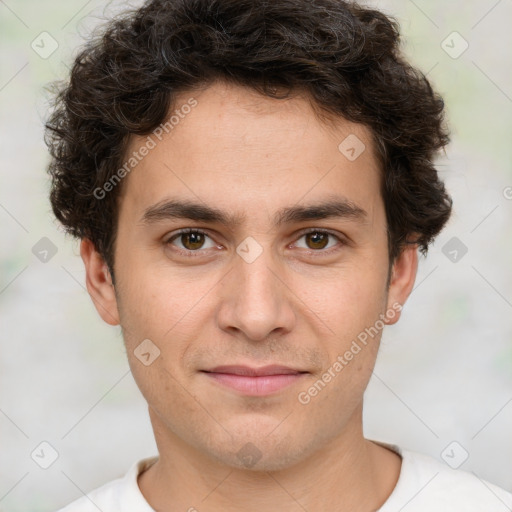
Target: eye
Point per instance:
(192, 240)
(189, 241)
(317, 240)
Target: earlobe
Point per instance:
(403, 276)
(99, 283)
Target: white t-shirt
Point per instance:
(424, 485)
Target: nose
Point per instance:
(255, 300)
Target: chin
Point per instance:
(262, 446)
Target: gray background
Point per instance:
(444, 373)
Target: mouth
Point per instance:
(253, 381)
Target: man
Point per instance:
(251, 182)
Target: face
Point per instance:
(285, 265)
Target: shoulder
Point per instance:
(120, 495)
(425, 484)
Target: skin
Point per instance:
(298, 304)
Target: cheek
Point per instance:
(168, 311)
(154, 321)
(346, 300)
(338, 388)
(350, 308)
(151, 302)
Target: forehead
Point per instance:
(232, 145)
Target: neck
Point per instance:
(348, 473)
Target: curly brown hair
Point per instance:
(344, 56)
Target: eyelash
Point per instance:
(192, 254)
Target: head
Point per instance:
(301, 155)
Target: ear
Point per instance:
(403, 275)
(99, 283)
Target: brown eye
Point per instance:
(192, 240)
(317, 240)
(320, 241)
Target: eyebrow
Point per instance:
(337, 207)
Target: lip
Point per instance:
(255, 381)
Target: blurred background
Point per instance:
(443, 381)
